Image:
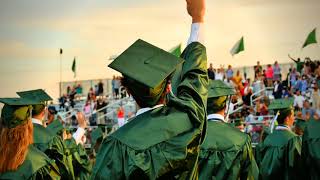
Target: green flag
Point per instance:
(311, 39)
(238, 47)
(73, 68)
(176, 50)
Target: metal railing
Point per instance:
(259, 97)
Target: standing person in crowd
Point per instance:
(237, 80)
(247, 92)
(257, 69)
(269, 75)
(281, 150)
(277, 90)
(120, 115)
(229, 73)
(100, 88)
(176, 129)
(304, 85)
(211, 72)
(276, 72)
(117, 85)
(101, 104)
(219, 75)
(226, 152)
(293, 77)
(298, 101)
(79, 91)
(316, 98)
(299, 63)
(113, 82)
(19, 159)
(310, 149)
(72, 97)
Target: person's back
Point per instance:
(310, 150)
(162, 141)
(35, 166)
(279, 151)
(174, 131)
(19, 159)
(226, 154)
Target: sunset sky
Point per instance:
(32, 32)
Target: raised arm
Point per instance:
(196, 9)
(192, 84)
(292, 58)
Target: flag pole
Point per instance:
(60, 85)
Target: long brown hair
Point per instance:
(14, 144)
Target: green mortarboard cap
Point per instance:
(37, 94)
(95, 135)
(218, 88)
(281, 104)
(56, 126)
(146, 64)
(15, 111)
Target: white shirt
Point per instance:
(143, 110)
(219, 76)
(197, 33)
(298, 101)
(216, 117)
(36, 121)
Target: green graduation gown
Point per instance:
(311, 150)
(53, 146)
(226, 154)
(80, 160)
(163, 142)
(281, 156)
(35, 166)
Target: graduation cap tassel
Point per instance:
(273, 121)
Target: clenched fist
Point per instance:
(196, 9)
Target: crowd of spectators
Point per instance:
(252, 98)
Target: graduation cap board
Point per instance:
(37, 94)
(218, 88)
(16, 111)
(146, 63)
(281, 104)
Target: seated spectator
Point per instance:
(307, 110)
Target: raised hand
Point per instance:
(196, 9)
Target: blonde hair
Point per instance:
(14, 143)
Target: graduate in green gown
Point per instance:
(18, 158)
(162, 141)
(226, 152)
(311, 149)
(66, 153)
(280, 152)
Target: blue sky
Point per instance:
(32, 32)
